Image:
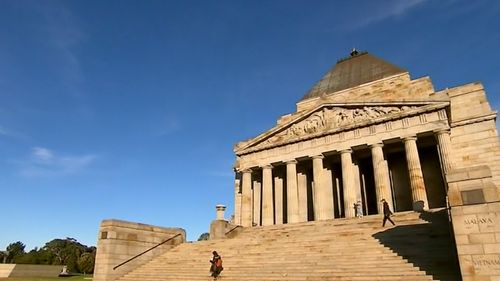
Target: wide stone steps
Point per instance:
(340, 249)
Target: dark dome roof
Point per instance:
(359, 68)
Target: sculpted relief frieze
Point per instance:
(330, 118)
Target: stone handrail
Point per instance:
(231, 230)
(150, 249)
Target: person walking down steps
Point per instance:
(216, 267)
(387, 213)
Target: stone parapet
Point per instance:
(475, 212)
(29, 270)
(119, 241)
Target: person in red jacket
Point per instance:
(216, 267)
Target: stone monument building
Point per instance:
(365, 132)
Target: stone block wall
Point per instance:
(475, 212)
(29, 270)
(474, 136)
(119, 241)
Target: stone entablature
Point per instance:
(416, 120)
(395, 91)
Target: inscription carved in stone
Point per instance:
(486, 264)
(478, 221)
(333, 117)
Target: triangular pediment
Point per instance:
(331, 118)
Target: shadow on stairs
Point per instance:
(429, 246)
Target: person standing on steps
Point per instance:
(387, 213)
(216, 266)
(358, 209)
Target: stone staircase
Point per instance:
(418, 248)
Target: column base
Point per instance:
(419, 206)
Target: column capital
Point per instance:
(246, 170)
(320, 156)
(291, 161)
(268, 166)
(378, 144)
(410, 138)
(442, 131)
(346, 151)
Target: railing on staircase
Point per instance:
(232, 229)
(150, 249)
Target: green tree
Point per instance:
(204, 236)
(15, 250)
(86, 262)
(35, 256)
(65, 252)
(76, 256)
(3, 256)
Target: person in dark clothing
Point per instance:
(216, 266)
(387, 213)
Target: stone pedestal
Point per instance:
(475, 213)
(218, 229)
(219, 226)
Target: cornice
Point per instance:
(427, 107)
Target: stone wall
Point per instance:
(395, 88)
(119, 241)
(29, 270)
(473, 135)
(475, 212)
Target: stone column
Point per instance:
(323, 202)
(381, 176)
(348, 183)
(417, 184)
(357, 181)
(328, 192)
(292, 192)
(237, 199)
(246, 198)
(302, 192)
(444, 145)
(278, 200)
(267, 195)
(257, 189)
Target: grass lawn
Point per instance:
(72, 278)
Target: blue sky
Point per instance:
(130, 109)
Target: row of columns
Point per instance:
(323, 191)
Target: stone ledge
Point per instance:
(471, 173)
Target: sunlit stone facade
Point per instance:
(365, 132)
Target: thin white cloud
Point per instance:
(171, 125)
(44, 162)
(381, 11)
(64, 35)
(42, 155)
(3, 131)
(9, 133)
